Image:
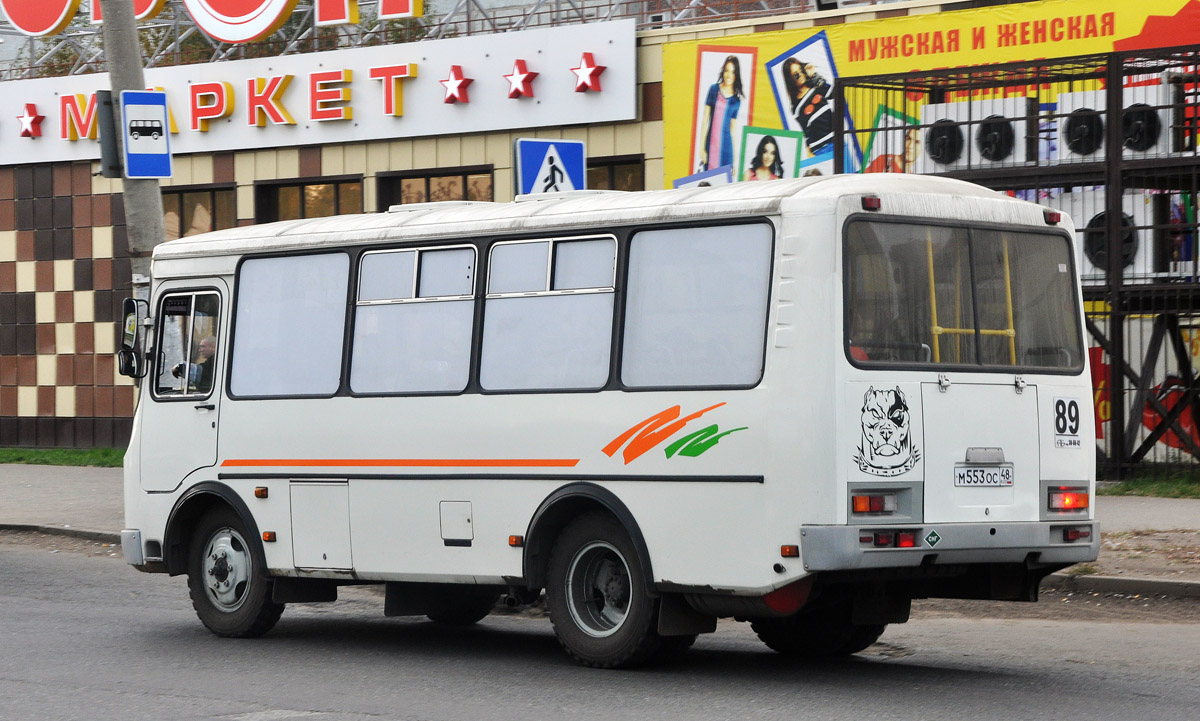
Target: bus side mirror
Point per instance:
(130, 361)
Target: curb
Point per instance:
(81, 533)
(1126, 586)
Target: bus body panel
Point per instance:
(399, 470)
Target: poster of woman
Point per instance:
(895, 143)
(724, 102)
(769, 154)
(803, 80)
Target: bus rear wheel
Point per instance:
(597, 596)
(227, 579)
(816, 634)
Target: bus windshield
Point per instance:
(954, 296)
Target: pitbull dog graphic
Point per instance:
(886, 447)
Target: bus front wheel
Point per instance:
(816, 634)
(596, 592)
(226, 577)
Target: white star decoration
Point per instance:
(521, 81)
(456, 86)
(31, 122)
(587, 75)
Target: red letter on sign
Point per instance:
(142, 10)
(44, 17)
(78, 122)
(324, 101)
(262, 101)
(393, 92)
(342, 12)
(210, 101)
(391, 9)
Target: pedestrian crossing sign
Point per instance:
(550, 166)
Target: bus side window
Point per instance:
(187, 344)
(696, 313)
(548, 316)
(413, 321)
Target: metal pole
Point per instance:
(143, 202)
(1114, 142)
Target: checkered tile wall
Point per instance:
(64, 270)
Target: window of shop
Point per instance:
(289, 201)
(190, 211)
(626, 172)
(473, 183)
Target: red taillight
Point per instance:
(1068, 500)
(907, 538)
(874, 503)
(871, 202)
(1053, 217)
(1076, 534)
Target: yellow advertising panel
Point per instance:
(756, 106)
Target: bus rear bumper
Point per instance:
(843, 548)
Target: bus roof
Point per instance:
(563, 211)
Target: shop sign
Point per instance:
(757, 106)
(546, 77)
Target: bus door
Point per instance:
(179, 419)
(982, 458)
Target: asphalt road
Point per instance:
(84, 636)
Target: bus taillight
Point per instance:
(1072, 534)
(905, 538)
(1068, 500)
(874, 503)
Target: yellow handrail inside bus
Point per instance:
(959, 331)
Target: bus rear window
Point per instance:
(940, 295)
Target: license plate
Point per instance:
(983, 476)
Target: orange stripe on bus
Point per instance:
(408, 462)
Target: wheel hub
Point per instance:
(598, 589)
(227, 569)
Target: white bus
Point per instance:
(798, 403)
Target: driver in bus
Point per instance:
(200, 373)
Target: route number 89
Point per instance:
(1066, 416)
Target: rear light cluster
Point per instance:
(874, 503)
(890, 539)
(1072, 534)
(1068, 499)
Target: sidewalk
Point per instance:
(88, 503)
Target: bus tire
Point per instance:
(596, 592)
(227, 577)
(674, 648)
(465, 607)
(820, 634)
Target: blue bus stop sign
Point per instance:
(550, 166)
(147, 149)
